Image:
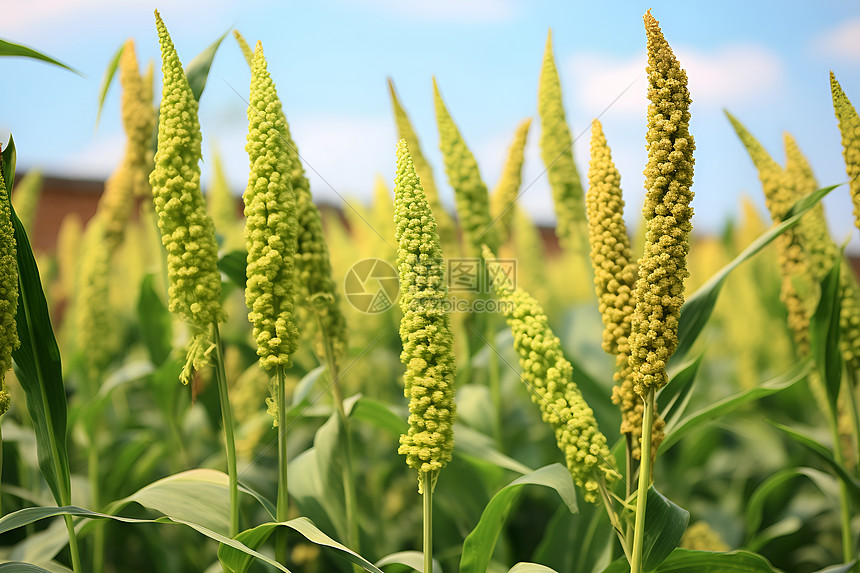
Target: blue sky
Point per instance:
(765, 61)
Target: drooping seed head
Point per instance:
(549, 377)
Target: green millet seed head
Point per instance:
(270, 224)
(659, 292)
(549, 378)
(247, 52)
(444, 223)
(507, 189)
(425, 327)
(138, 118)
(556, 146)
(8, 291)
(470, 192)
(849, 128)
(187, 231)
(614, 273)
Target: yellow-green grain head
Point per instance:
(425, 329)
(556, 147)
(614, 272)
(138, 119)
(549, 378)
(470, 191)
(849, 128)
(26, 198)
(270, 224)
(8, 292)
(187, 232)
(659, 292)
(444, 223)
(507, 189)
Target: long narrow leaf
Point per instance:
(826, 456)
(107, 80)
(480, 543)
(723, 407)
(699, 306)
(17, 50)
(197, 70)
(37, 360)
(665, 523)
(824, 334)
(689, 561)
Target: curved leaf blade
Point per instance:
(677, 431)
(107, 80)
(689, 561)
(17, 50)
(197, 70)
(699, 306)
(480, 543)
(37, 360)
(665, 523)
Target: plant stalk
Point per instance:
(494, 382)
(427, 480)
(844, 495)
(99, 532)
(73, 544)
(636, 564)
(283, 502)
(348, 477)
(227, 419)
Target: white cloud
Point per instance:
(737, 73)
(456, 10)
(841, 42)
(97, 159)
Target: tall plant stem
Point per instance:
(73, 544)
(227, 420)
(95, 503)
(644, 481)
(283, 502)
(348, 477)
(851, 403)
(844, 495)
(494, 381)
(427, 479)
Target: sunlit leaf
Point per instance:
(17, 50)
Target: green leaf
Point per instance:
(18, 567)
(306, 384)
(699, 306)
(234, 264)
(107, 80)
(197, 70)
(156, 324)
(530, 568)
(9, 160)
(480, 543)
(413, 559)
(665, 523)
(756, 502)
(689, 561)
(380, 415)
(472, 443)
(37, 361)
(824, 334)
(839, 568)
(673, 398)
(677, 431)
(234, 562)
(17, 50)
(825, 455)
(198, 496)
(30, 515)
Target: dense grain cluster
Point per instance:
(187, 232)
(668, 177)
(270, 224)
(507, 189)
(425, 327)
(8, 292)
(849, 128)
